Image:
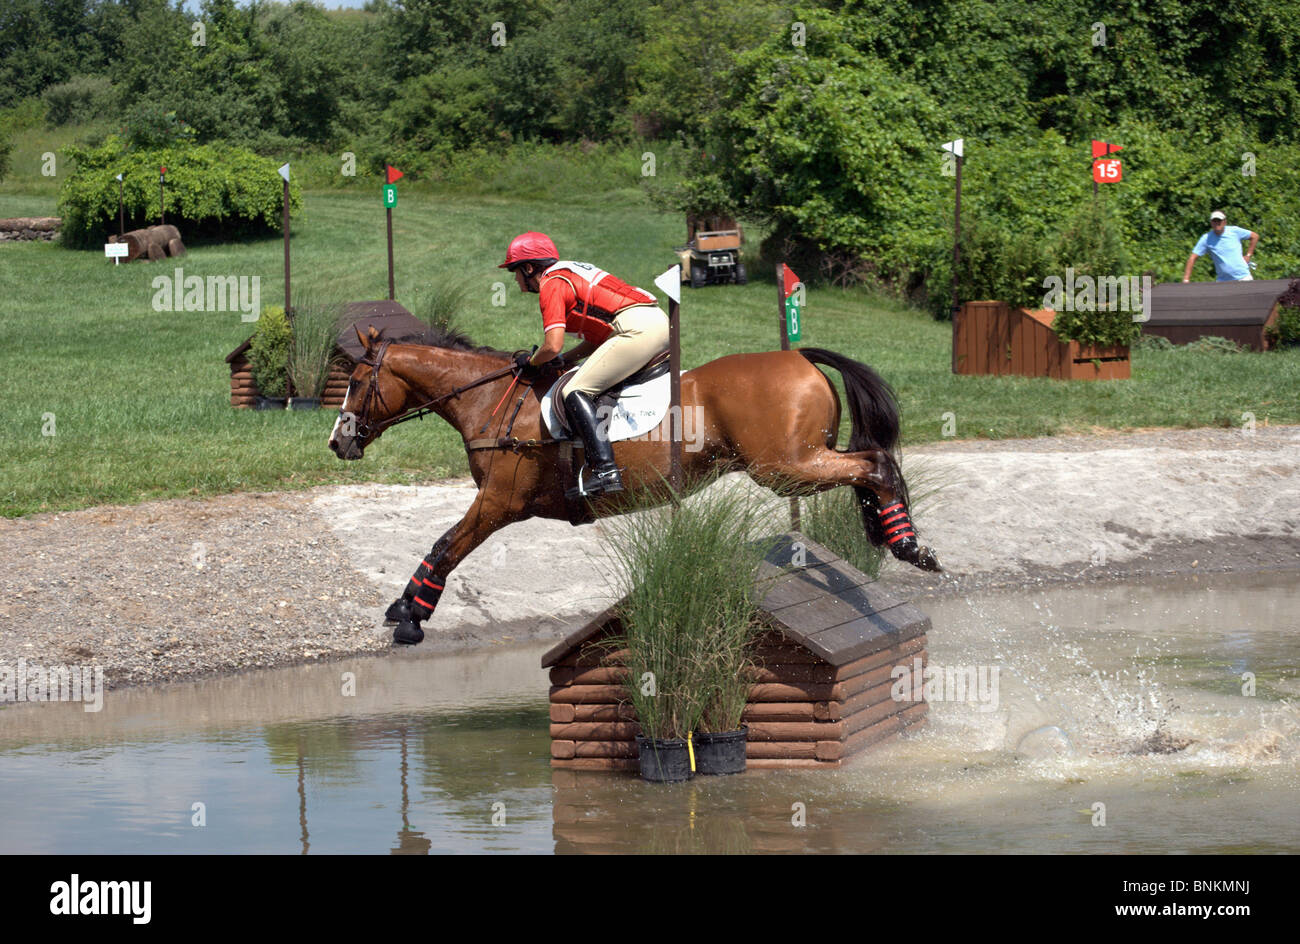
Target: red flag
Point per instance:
(1099, 148)
(791, 280)
(393, 174)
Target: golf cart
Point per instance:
(711, 255)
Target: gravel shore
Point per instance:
(180, 589)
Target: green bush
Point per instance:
(212, 191)
(1286, 330)
(80, 100)
(1091, 245)
(150, 125)
(269, 352)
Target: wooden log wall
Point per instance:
(244, 392)
(802, 711)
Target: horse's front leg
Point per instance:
(423, 590)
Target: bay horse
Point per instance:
(773, 415)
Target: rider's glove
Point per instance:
(524, 364)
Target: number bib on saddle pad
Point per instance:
(638, 409)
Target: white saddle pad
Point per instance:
(639, 409)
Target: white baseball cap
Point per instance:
(1217, 215)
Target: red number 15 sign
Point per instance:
(1107, 171)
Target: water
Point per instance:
(1129, 696)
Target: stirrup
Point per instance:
(605, 482)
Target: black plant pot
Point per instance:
(663, 760)
(304, 403)
(721, 753)
(270, 403)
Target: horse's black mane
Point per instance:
(442, 335)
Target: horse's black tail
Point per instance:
(873, 411)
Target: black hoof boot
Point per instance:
(910, 552)
(408, 634)
(399, 611)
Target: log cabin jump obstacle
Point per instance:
(1239, 311)
(822, 692)
(388, 317)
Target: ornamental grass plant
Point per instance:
(686, 578)
(311, 350)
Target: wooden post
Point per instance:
(785, 346)
(675, 418)
(780, 306)
(162, 198)
(392, 295)
(956, 261)
(121, 224)
(287, 308)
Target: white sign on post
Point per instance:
(671, 283)
(116, 251)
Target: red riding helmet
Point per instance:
(530, 247)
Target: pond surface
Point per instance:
(1129, 696)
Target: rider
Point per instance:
(621, 326)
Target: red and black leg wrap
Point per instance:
(897, 525)
(423, 591)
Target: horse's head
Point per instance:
(375, 395)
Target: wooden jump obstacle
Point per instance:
(825, 671)
(391, 320)
(993, 338)
(1238, 311)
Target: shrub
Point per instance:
(212, 190)
(1152, 342)
(269, 352)
(994, 265)
(1213, 344)
(81, 99)
(1286, 330)
(1090, 243)
(150, 125)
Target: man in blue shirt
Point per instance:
(1223, 243)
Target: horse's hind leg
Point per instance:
(880, 499)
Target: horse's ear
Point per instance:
(373, 334)
(365, 343)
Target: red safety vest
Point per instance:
(585, 299)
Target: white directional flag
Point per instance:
(670, 283)
(955, 147)
(118, 177)
(284, 172)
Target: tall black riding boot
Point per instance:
(602, 474)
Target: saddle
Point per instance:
(607, 400)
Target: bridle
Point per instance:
(420, 411)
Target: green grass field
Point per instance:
(140, 399)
